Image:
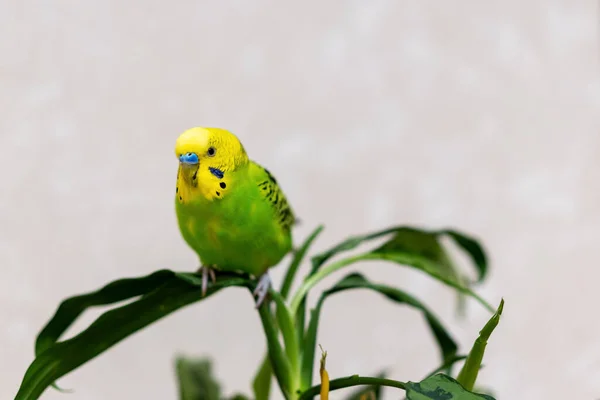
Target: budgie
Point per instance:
(230, 210)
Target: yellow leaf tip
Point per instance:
(323, 357)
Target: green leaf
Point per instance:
(470, 370)
(289, 333)
(408, 246)
(196, 380)
(300, 317)
(279, 361)
(441, 387)
(445, 342)
(474, 249)
(348, 244)
(426, 243)
(423, 244)
(298, 257)
(262, 380)
(70, 309)
(113, 326)
(261, 384)
(429, 268)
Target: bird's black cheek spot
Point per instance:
(223, 185)
(177, 189)
(218, 193)
(180, 198)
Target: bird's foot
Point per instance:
(206, 271)
(262, 289)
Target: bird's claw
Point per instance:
(206, 272)
(262, 289)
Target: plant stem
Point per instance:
(281, 365)
(298, 257)
(319, 275)
(350, 381)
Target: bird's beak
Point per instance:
(189, 159)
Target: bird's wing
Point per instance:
(271, 191)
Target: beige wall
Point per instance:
(478, 115)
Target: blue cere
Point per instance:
(189, 158)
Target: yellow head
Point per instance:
(213, 147)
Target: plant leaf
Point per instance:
(289, 333)
(441, 387)
(298, 257)
(261, 384)
(196, 380)
(473, 248)
(112, 326)
(70, 309)
(430, 268)
(470, 370)
(348, 244)
(417, 248)
(423, 242)
(279, 361)
(445, 342)
(262, 380)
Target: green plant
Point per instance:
(291, 360)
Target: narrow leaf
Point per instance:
(417, 241)
(445, 342)
(196, 380)
(423, 244)
(279, 361)
(309, 345)
(346, 245)
(417, 248)
(441, 387)
(297, 260)
(474, 249)
(470, 370)
(70, 309)
(112, 327)
(262, 380)
(289, 333)
(261, 385)
(429, 268)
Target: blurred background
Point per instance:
(481, 116)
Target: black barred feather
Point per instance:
(275, 196)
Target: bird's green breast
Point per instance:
(236, 231)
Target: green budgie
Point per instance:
(230, 210)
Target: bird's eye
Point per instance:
(211, 151)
